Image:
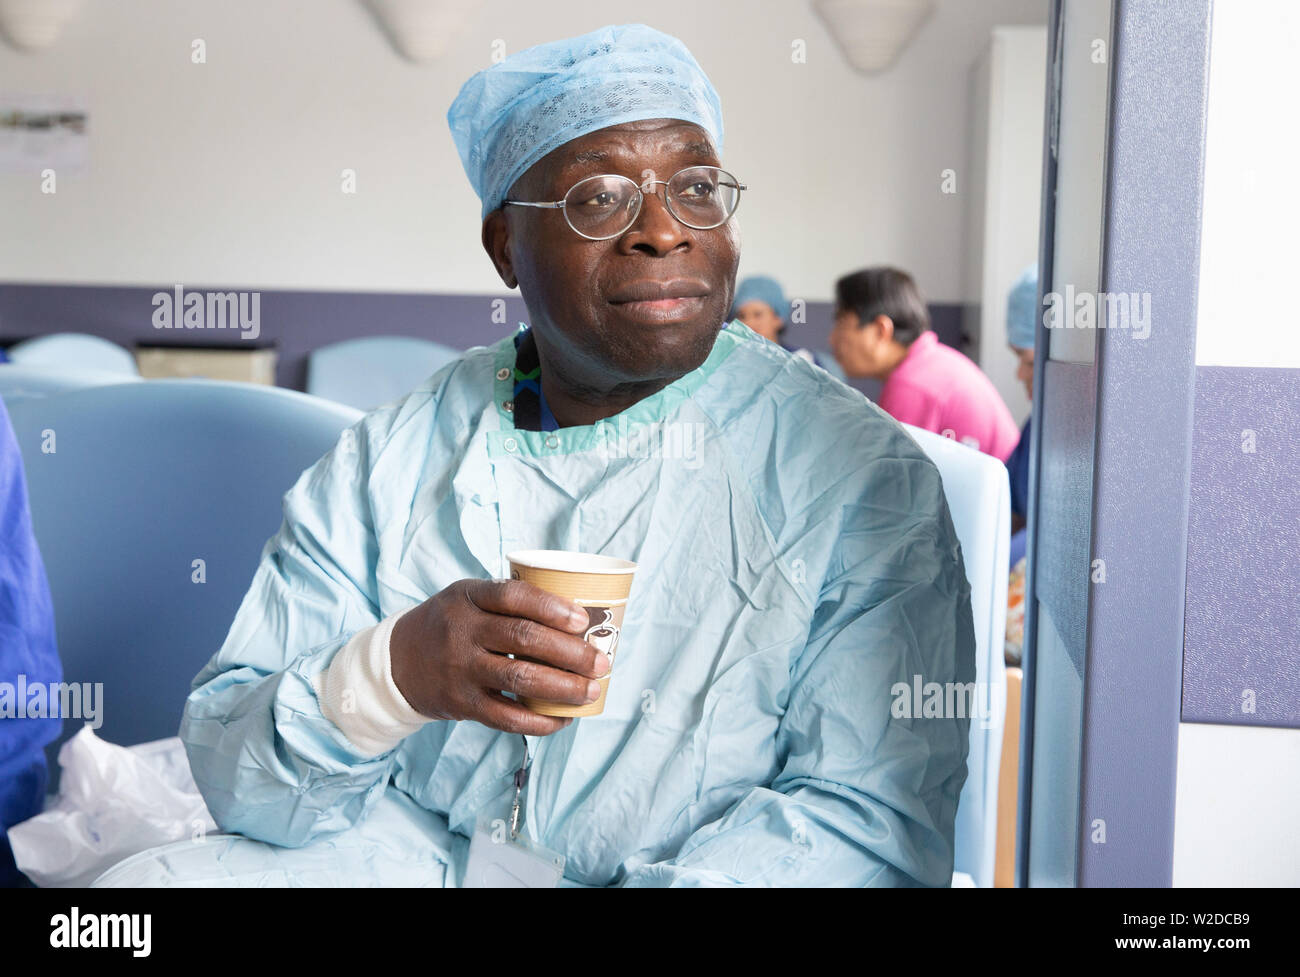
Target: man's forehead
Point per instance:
(632, 140)
(617, 148)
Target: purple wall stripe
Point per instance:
(299, 322)
(1241, 661)
(295, 322)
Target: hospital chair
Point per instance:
(979, 499)
(366, 373)
(151, 503)
(74, 351)
(20, 381)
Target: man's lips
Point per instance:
(653, 293)
(676, 300)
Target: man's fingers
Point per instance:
(515, 598)
(501, 713)
(536, 680)
(521, 636)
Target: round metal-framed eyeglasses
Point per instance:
(603, 207)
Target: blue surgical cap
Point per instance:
(1022, 309)
(761, 288)
(510, 115)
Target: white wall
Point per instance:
(229, 171)
(1235, 813)
(1252, 210)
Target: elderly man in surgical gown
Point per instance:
(796, 563)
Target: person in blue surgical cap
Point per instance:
(797, 563)
(1022, 321)
(760, 303)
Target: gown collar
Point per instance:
(511, 440)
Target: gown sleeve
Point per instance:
(269, 764)
(867, 790)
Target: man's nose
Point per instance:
(656, 231)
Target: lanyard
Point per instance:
(521, 781)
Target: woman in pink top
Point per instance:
(882, 331)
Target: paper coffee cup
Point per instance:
(598, 583)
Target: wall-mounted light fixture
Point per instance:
(871, 34)
(33, 25)
(421, 30)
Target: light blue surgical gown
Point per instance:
(796, 561)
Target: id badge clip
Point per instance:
(501, 856)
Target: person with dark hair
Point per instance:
(882, 331)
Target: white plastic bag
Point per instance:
(113, 802)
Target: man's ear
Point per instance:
(884, 326)
(496, 242)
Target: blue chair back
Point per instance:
(367, 373)
(74, 351)
(131, 486)
(979, 499)
(20, 381)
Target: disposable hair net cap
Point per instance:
(508, 116)
(1022, 309)
(761, 288)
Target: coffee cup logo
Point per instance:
(598, 585)
(603, 634)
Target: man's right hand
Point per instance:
(449, 655)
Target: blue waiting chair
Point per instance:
(129, 486)
(367, 373)
(74, 351)
(979, 500)
(20, 381)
